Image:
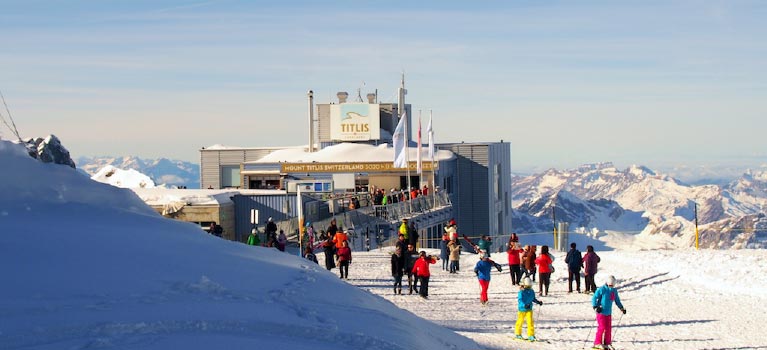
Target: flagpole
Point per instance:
(403, 112)
(418, 150)
(431, 153)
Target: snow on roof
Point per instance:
(348, 152)
(163, 196)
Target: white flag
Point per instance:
(399, 144)
(419, 164)
(430, 132)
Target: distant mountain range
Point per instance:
(599, 197)
(162, 171)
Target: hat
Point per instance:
(526, 282)
(270, 218)
(253, 231)
(610, 281)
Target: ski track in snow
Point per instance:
(674, 299)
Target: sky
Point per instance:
(656, 83)
(89, 265)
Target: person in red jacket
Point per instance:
(344, 259)
(514, 262)
(544, 262)
(421, 270)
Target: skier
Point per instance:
(574, 263)
(344, 259)
(482, 270)
(590, 263)
(602, 302)
(525, 300)
(421, 270)
(397, 269)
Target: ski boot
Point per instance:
(519, 337)
(531, 338)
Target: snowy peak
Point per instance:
(173, 173)
(123, 178)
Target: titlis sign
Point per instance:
(355, 122)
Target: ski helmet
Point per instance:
(610, 281)
(526, 282)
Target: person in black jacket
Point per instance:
(574, 262)
(411, 255)
(397, 270)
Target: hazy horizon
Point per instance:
(651, 83)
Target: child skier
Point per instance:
(525, 300)
(602, 301)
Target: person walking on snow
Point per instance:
(544, 262)
(590, 263)
(525, 300)
(397, 269)
(514, 262)
(482, 270)
(574, 263)
(455, 255)
(344, 259)
(421, 270)
(253, 238)
(602, 302)
(484, 244)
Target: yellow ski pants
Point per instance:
(521, 317)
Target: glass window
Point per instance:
(230, 176)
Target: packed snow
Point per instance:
(89, 265)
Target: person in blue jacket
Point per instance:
(602, 302)
(525, 300)
(482, 270)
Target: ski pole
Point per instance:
(615, 329)
(589, 335)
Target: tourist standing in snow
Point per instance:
(514, 262)
(482, 270)
(544, 262)
(403, 229)
(602, 302)
(332, 228)
(528, 259)
(525, 300)
(590, 263)
(574, 262)
(421, 270)
(309, 255)
(271, 230)
(282, 241)
(253, 238)
(397, 269)
(412, 234)
(330, 250)
(455, 255)
(444, 251)
(411, 256)
(484, 244)
(344, 259)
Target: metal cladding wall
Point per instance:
(478, 211)
(274, 206)
(211, 161)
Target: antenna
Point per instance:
(12, 125)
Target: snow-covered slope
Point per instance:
(89, 265)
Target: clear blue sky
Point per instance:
(567, 83)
